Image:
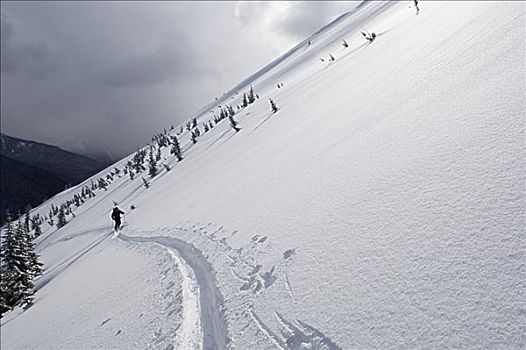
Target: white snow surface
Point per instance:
(382, 207)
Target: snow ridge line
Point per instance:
(214, 330)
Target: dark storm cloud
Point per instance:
(31, 59)
(170, 62)
(102, 77)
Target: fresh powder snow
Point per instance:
(381, 207)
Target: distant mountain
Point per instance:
(32, 171)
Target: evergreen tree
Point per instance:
(138, 161)
(36, 223)
(33, 265)
(245, 100)
(158, 154)
(193, 137)
(176, 149)
(7, 268)
(18, 267)
(145, 183)
(251, 96)
(26, 219)
(102, 183)
(231, 111)
(131, 174)
(273, 106)
(61, 217)
(233, 123)
(152, 165)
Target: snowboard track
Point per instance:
(214, 328)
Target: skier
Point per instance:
(416, 6)
(116, 216)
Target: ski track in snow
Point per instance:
(198, 283)
(252, 276)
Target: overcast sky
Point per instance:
(98, 77)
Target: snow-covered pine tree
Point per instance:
(34, 266)
(251, 96)
(152, 165)
(138, 161)
(145, 183)
(36, 225)
(166, 167)
(16, 284)
(158, 154)
(7, 267)
(76, 200)
(233, 123)
(131, 174)
(245, 100)
(194, 122)
(61, 217)
(27, 219)
(176, 149)
(102, 183)
(193, 137)
(273, 106)
(231, 111)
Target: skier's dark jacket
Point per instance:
(116, 214)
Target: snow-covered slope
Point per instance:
(381, 207)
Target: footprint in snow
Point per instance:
(288, 253)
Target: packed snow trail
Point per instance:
(212, 320)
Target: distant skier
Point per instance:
(116, 216)
(416, 6)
